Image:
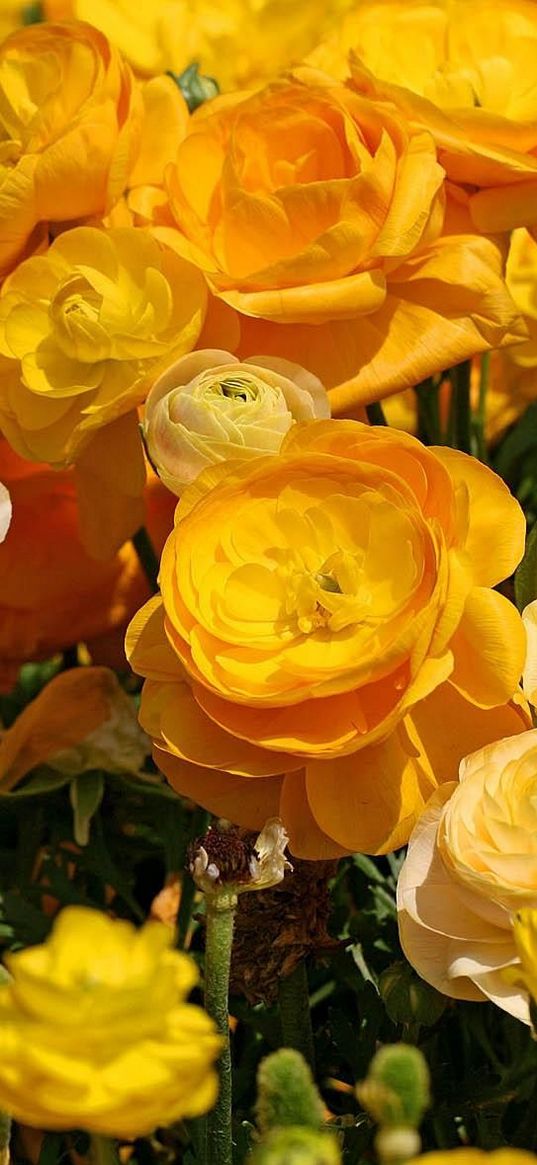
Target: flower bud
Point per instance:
(396, 1091)
(287, 1095)
(208, 407)
(297, 1146)
(195, 87)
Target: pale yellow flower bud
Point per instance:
(208, 407)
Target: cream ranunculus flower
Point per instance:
(5, 511)
(472, 864)
(209, 407)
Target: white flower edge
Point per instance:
(5, 511)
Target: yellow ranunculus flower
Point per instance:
(70, 116)
(208, 407)
(239, 42)
(79, 328)
(476, 1157)
(11, 16)
(465, 71)
(327, 613)
(316, 214)
(96, 1032)
(525, 936)
(472, 864)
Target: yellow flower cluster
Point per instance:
(222, 293)
(96, 1032)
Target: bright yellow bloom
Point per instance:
(70, 117)
(79, 328)
(316, 214)
(208, 407)
(476, 1157)
(326, 613)
(464, 70)
(525, 935)
(239, 42)
(96, 1032)
(11, 15)
(471, 865)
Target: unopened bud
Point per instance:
(396, 1091)
(297, 1146)
(196, 88)
(287, 1095)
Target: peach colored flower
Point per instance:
(471, 865)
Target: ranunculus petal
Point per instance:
(380, 791)
(489, 647)
(110, 478)
(239, 799)
(496, 523)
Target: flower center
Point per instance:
(75, 313)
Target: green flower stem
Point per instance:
(429, 426)
(147, 558)
(220, 917)
(5, 1134)
(375, 413)
(479, 419)
(295, 1015)
(103, 1151)
(460, 413)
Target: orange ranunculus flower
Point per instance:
(464, 70)
(239, 42)
(52, 594)
(328, 642)
(309, 205)
(110, 305)
(513, 371)
(70, 130)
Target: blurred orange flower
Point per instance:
(52, 594)
(70, 127)
(309, 205)
(465, 71)
(328, 641)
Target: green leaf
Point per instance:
(526, 574)
(85, 794)
(42, 781)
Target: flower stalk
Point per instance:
(220, 916)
